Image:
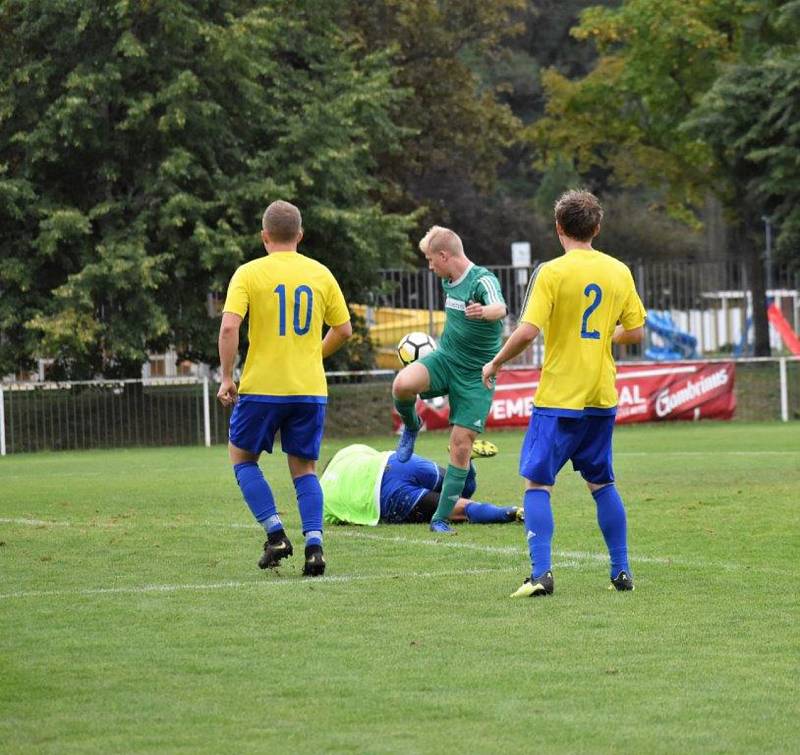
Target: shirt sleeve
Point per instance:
(238, 298)
(539, 302)
(633, 312)
(336, 311)
(488, 291)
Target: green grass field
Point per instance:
(133, 617)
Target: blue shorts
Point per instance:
(404, 485)
(254, 423)
(552, 441)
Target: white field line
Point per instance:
(566, 559)
(334, 532)
(235, 585)
(33, 522)
(511, 550)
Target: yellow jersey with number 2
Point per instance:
(288, 297)
(577, 301)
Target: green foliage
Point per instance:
(358, 353)
(559, 176)
(751, 120)
(656, 61)
(455, 129)
(139, 145)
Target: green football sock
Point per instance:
(408, 412)
(452, 488)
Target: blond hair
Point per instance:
(440, 239)
(282, 221)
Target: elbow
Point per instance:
(345, 331)
(637, 336)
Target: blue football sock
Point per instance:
(309, 502)
(614, 526)
(470, 484)
(486, 513)
(539, 528)
(258, 495)
(313, 537)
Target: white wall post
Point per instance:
(784, 390)
(206, 414)
(2, 421)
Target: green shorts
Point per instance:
(470, 400)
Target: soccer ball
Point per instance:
(413, 346)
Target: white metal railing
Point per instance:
(184, 411)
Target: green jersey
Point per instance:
(351, 485)
(471, 343)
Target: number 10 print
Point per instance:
(300, 293)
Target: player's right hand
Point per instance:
(489, 374)
(227, 393)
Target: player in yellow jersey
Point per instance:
(288, 297)
(583, 302)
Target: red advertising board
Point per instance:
(650, 392)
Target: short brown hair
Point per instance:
(578, 213)
(282, 221)
(444, 240)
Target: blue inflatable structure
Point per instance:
(676, 344)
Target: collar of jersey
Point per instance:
(463, 275)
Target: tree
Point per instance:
(455, 127)
(139, 144)
(750, 120)
(625, 118)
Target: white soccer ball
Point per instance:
(414, 346)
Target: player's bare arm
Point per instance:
(488, 312)
(228, 348)
(520, 339)
(335, 338)
(625, 337)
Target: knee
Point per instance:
(533, 485)
(460, 450)
(401, 387)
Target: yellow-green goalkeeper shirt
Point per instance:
(351, 485)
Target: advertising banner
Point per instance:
(647, 393)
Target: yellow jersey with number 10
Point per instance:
(288, 297)
(577, 301)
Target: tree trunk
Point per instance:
(758, 285)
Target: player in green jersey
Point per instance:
(475, 308)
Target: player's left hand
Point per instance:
(489, 375)
(474, 311)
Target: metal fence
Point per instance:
(711, 300)
(104, 414)
(184, 411)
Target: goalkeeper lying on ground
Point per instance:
(363, 486)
